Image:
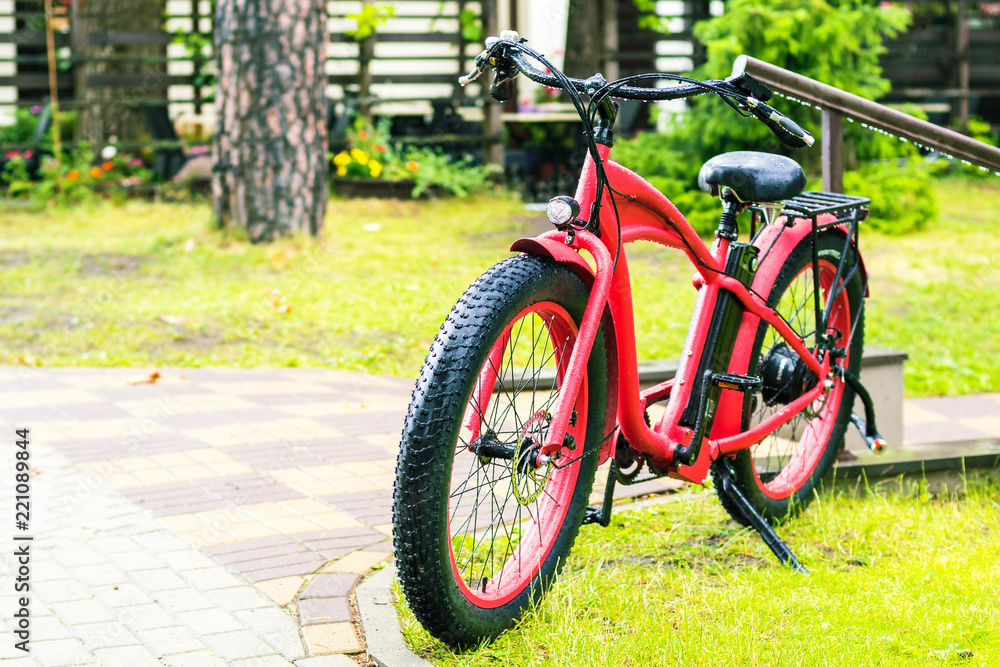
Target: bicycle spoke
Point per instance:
(493, 503)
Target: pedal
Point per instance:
(741, 383)
(875, 442)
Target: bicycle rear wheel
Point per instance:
(480, 529)
(780, 473)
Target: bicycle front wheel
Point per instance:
(780, 473)
(480, 528)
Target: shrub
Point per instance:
(902, 195)
(21, 130)
(75, 180)
(979, 130)
(836, 42)
(902, 191)
(430, 168)
(372, 156)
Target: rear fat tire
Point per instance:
(430, 446)
(746, 477)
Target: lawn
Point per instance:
(154, 285)
(896, 579)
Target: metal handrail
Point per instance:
(835, 101)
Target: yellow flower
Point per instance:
(342, 159)
(375, 168)
(412, 166)
(341, 171)
(359, 156)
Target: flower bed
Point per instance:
(372, 167)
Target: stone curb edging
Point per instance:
(383, 633)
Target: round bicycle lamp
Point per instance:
(562, 210)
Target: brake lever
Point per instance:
(482, 62)
(504, 86)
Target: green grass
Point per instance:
(897, 579)
(122, 285)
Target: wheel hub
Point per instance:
(786, 376)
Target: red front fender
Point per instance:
(563, 254)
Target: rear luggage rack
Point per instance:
(812, 204)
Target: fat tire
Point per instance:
(421, 531)
(773, 510)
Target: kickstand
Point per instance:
(602, 515)
(760, 524)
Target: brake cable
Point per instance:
(588, 125)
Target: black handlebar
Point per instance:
(596, 82)
(508, 57)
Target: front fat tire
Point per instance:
(422, 531)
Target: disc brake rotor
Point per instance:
(527, 477)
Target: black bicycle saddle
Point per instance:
(754, 177)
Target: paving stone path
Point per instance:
(223, 516)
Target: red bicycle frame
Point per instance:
(647, 215)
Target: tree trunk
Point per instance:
(270, 144)
(110, 110)
(585, 54)
(366, 53)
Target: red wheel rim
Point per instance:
(515, 550)
(809, 448)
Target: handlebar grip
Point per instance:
(784, 128)
(794, 129)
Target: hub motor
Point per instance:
(786, 377)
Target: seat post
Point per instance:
(728, 228)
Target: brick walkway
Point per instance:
(224, 516)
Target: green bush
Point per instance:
(902, 192)
(979, 130)
(70, 182)
(79, 179)
(836, 42)
(902, 195)
(430, 168)
(371, 155)
(22, 130)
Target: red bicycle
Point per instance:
(532, 381)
